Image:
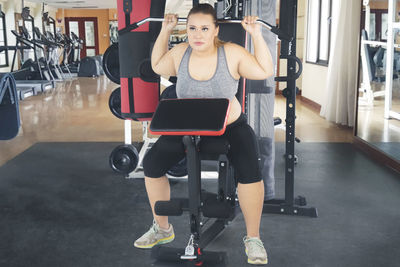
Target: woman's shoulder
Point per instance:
(234, 52)
(233, 55)
(180, 48)
(233, 48)
(177, 53)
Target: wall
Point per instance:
(315, 76)
(102, 16)
(112, 14)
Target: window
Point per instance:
(384, 26)
(50, 26)
(372, 23)
(318, 31)
(3, 40)
(113, 32)
(29, 25)
(378, 24)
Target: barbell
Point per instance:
(281, 35)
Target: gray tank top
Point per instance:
(221, 85)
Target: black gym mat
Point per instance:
(61, 205)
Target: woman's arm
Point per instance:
(162, 60)
(259, 66)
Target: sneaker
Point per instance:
(255, 250)
(155, 236)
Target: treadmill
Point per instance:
(23, 90)
(53, 55)
(22, 76)
(67, 48)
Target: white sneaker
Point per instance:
(155, 236)
(255, 250)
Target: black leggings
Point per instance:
(243, 153)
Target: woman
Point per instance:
(208, 67)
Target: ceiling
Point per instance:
(113, 3)
(78, 3)
(176, 6)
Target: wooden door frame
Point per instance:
(81, 23)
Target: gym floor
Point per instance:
(61, 204)
(77, 111)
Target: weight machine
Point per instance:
(126, 156)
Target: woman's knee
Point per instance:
(164, 154)
(249, 179)
(150, 167)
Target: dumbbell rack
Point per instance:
(147, 141)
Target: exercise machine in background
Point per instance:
(34, 74)
(372, 61)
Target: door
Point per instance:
(87, 30)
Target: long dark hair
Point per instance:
(207, 9)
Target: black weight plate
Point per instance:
(111, 63)
(114, 103)
(146, 72)
(124, 159)
(179, 170)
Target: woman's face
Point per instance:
(201, 31)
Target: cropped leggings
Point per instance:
(243, 153)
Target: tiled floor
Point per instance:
(372, 126)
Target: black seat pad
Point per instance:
(190, 116)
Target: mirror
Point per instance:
(378, 105)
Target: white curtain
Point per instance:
(339, 102)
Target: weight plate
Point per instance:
(111, 63)
(124, 159)
(114, 103)
(146, 72)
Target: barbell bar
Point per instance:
(265, 24)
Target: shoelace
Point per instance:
(153, 229)
(254, 241)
